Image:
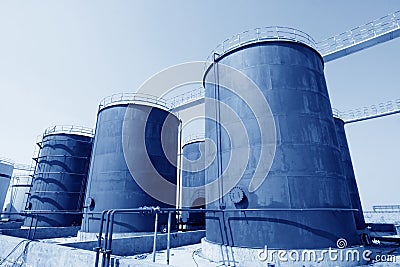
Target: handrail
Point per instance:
(186, 97)
(328, 46)
(270, 33)
(373, 111)
(131, 98)
(7, 161)
(68, 129)
(382, 109)
(386, 208)
(359, 34)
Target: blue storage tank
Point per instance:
(59, 178)
(304, 200)
(18, 191)
(124, 123)
(193, 178)
(6, 170)
(349, 174)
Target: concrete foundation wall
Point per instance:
(42, 232)
(33, 253)
(22, 252)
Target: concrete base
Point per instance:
(42, 232)
(5, 224)
(142, 243)
(21, 252)
(235, 256)
(16, 251)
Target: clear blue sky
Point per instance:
(58, 59)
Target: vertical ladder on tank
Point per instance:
(229, 253)
(34, 166)
(218, 132)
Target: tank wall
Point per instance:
(6, 170)
(19, 191)
(192, 176)
(306, 172)
(17, 194)
(111, 184)
(349, 174)
(60, 179)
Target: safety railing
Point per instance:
(6, 161)
(369, 112)
(198, 137)
(69, 129)
(359, 34)
(186, 97)
(133, 98)
(382, 109)
(271, 33)
(395, 208)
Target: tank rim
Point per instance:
(69, 129)
(193, 138)
(126, 104)
(7, 161)
(133, 98)
(268, 33)
(210, 64)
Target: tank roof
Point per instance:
(69, 129)
(133, 98)
(199, 137)
(257, 35)
(6, 161)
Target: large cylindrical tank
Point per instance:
(112, 183)
(6, 170)
(349, 174)
(193, 177)
(59, 178)
(303, 201)
(18, 191)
